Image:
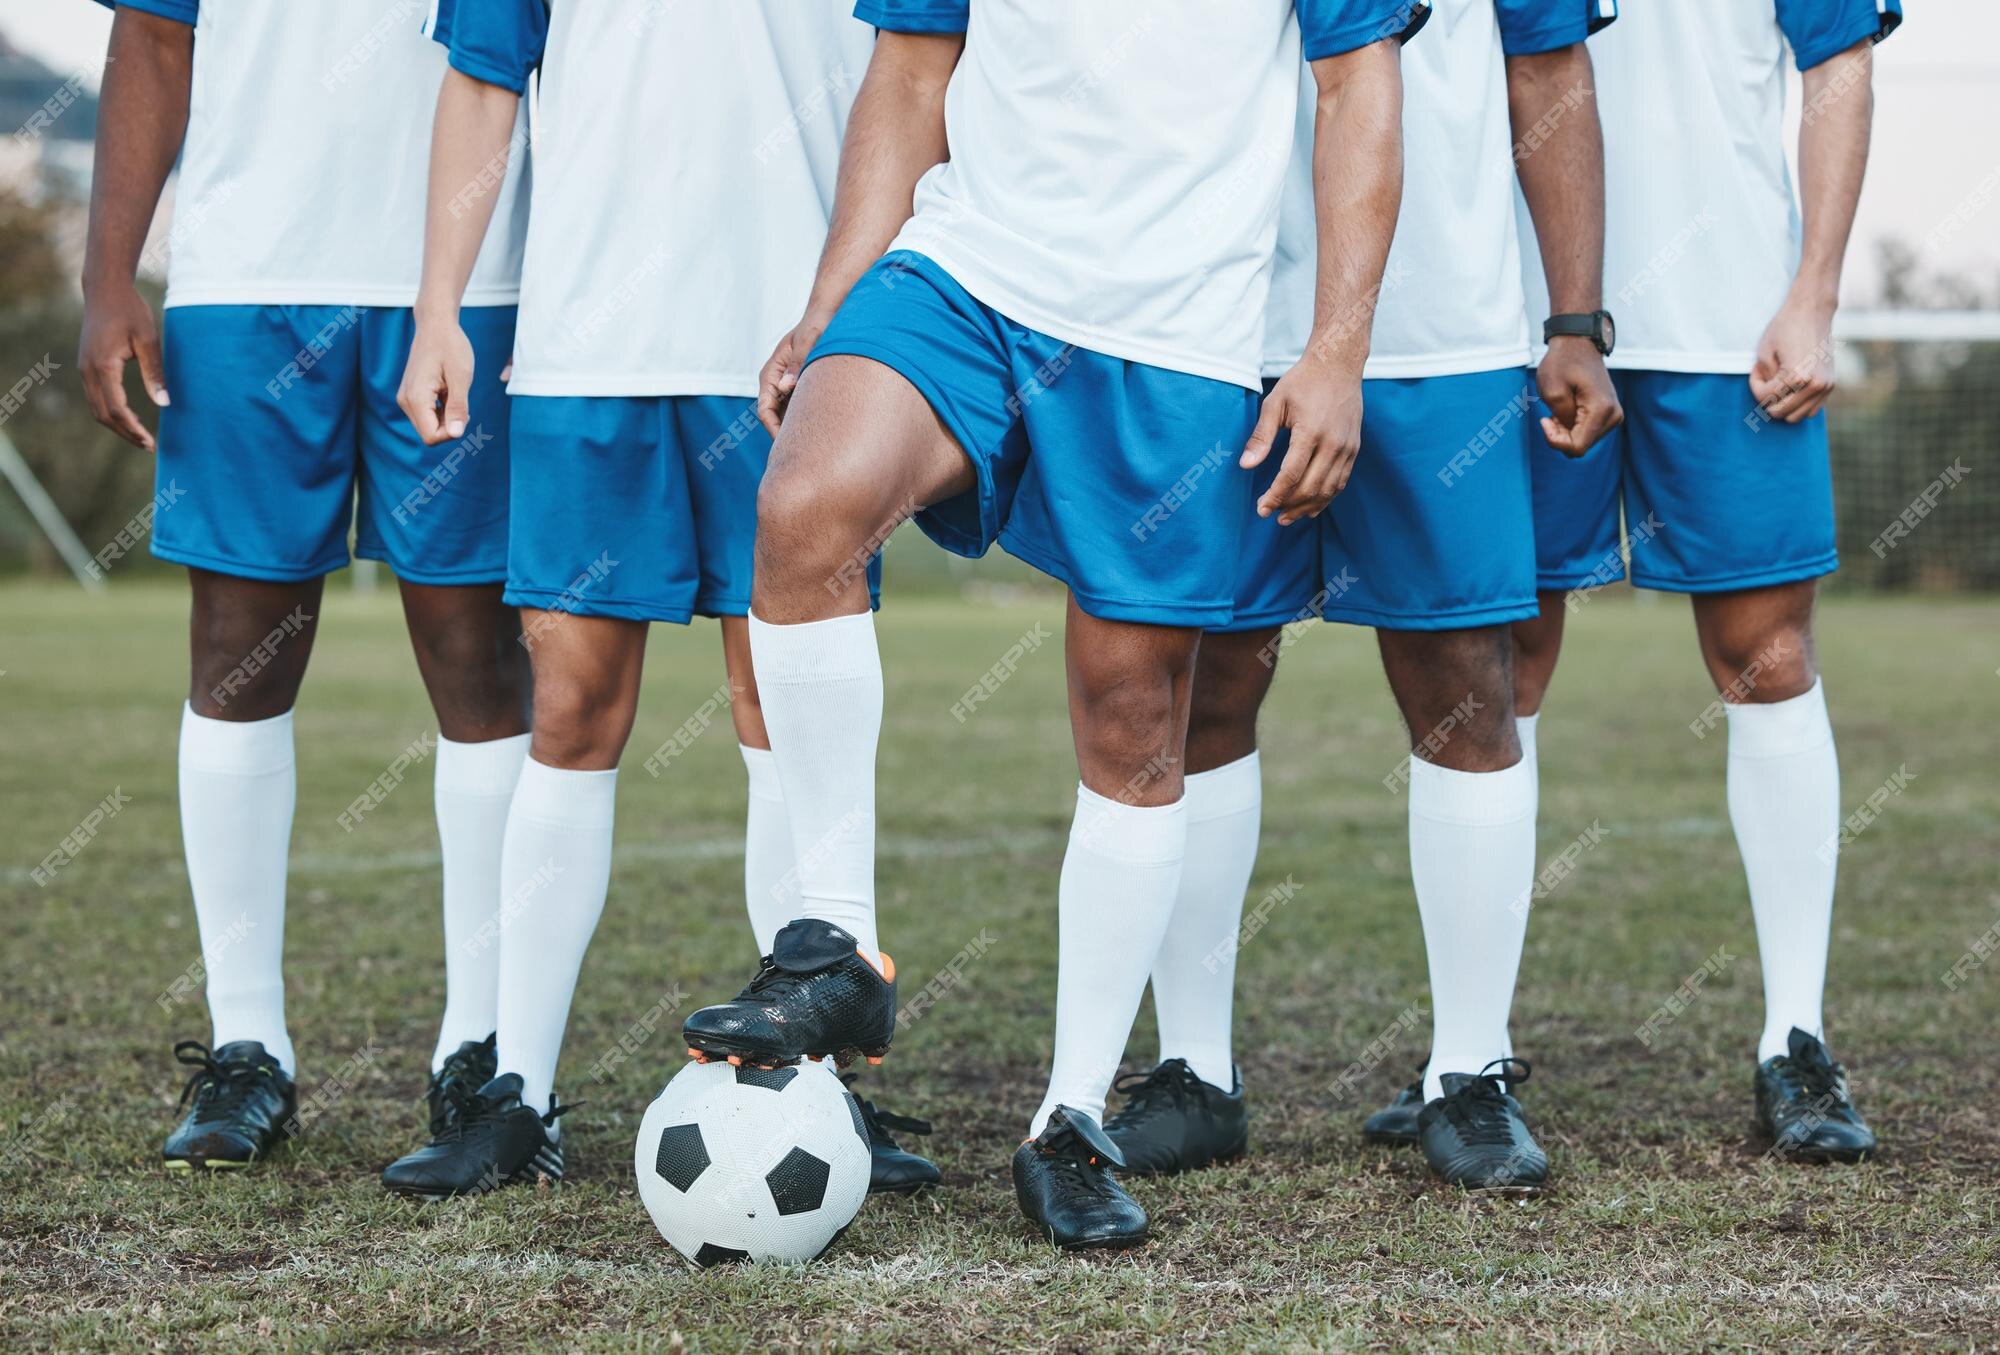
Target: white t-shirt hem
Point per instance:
(638, 385)
(1711, 363)
(399, 296)
(1393, 368)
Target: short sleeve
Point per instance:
(497, 41)
(180, 11)
(1331, 27)
(1531, 26)
(1822, 29)
(916, 16)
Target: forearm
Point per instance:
(1357, 191)
(142, 115)
(1559, 156)
(1833, 156)
(471, 141)
(895, 135)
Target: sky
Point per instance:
(1935, 162)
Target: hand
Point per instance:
(117, 327)
(1321, 404)
(1578, 390)
(1793, 374)
(438, 377)
(780, 376)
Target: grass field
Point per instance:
(1666, 1226)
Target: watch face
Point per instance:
(1607, 331)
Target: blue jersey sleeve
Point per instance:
(180, 11)
(915, 16)
(1331, 27)
(1531, 26)
(497, 41)
(1822, 29)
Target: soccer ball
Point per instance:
(758, 1164)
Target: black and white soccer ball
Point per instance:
(752, 1164)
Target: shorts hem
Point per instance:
(611, 609)
(1462, 618)
(432, 578)
(243, 569)
(1816, 568)
(1265, 619)
(1184, 615)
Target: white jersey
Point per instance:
(1115, 169)
(1702, 227)
(305, 170)
(684, 166)
(1452, 299)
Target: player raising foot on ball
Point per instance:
(1429, 543)
(1726, 294)
(301, 135)
(1058, 349)
(633, 380)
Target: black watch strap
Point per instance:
(1596, 326)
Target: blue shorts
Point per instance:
(1118, 478)
(1433, 531)
(1716, 495)
(284, 432)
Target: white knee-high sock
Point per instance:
(554, 870)
(474, 786)
(770, 884)
(238, 785)
(820, 685)
(1472, 856)
(1119, 879)
(1784, 802)
(1194, 975)
(1526, 729)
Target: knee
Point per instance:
(811, 523)
(479, 678)
(1456, 691)
(246, 669)
(1762, 664)
(1232, 676)
(580, 723)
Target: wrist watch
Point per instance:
(1596, 326)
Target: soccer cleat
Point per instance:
(472, 1066)
(814, 997)
(490, 1140)
(1064, 1183)
(892, 1168)
(1396, 1123)
(1474, 1136)
(1802, 1104)
(1172, 1121)
(240, 1105)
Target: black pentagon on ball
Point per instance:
(682, 1156)
(798, 1184)
(712, 1255)
(854, 1110)
(771, 1079)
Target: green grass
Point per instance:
(1666, 1226)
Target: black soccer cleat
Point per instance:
(1474, 1135)
(892, 1168)
(1802, 1103)
(1064, 1183)
(490, 1140)
(1396, 1123)
(240, 1106)
(1172, 1121)
(471, 1067)
(814, 997)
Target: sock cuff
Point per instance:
(489, 768)
(562, 798)
(812, 652)
(236, 747)
(1223, 792)
(1137, 835)
(762, 766)
(1473, 799)
(1779, 728)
